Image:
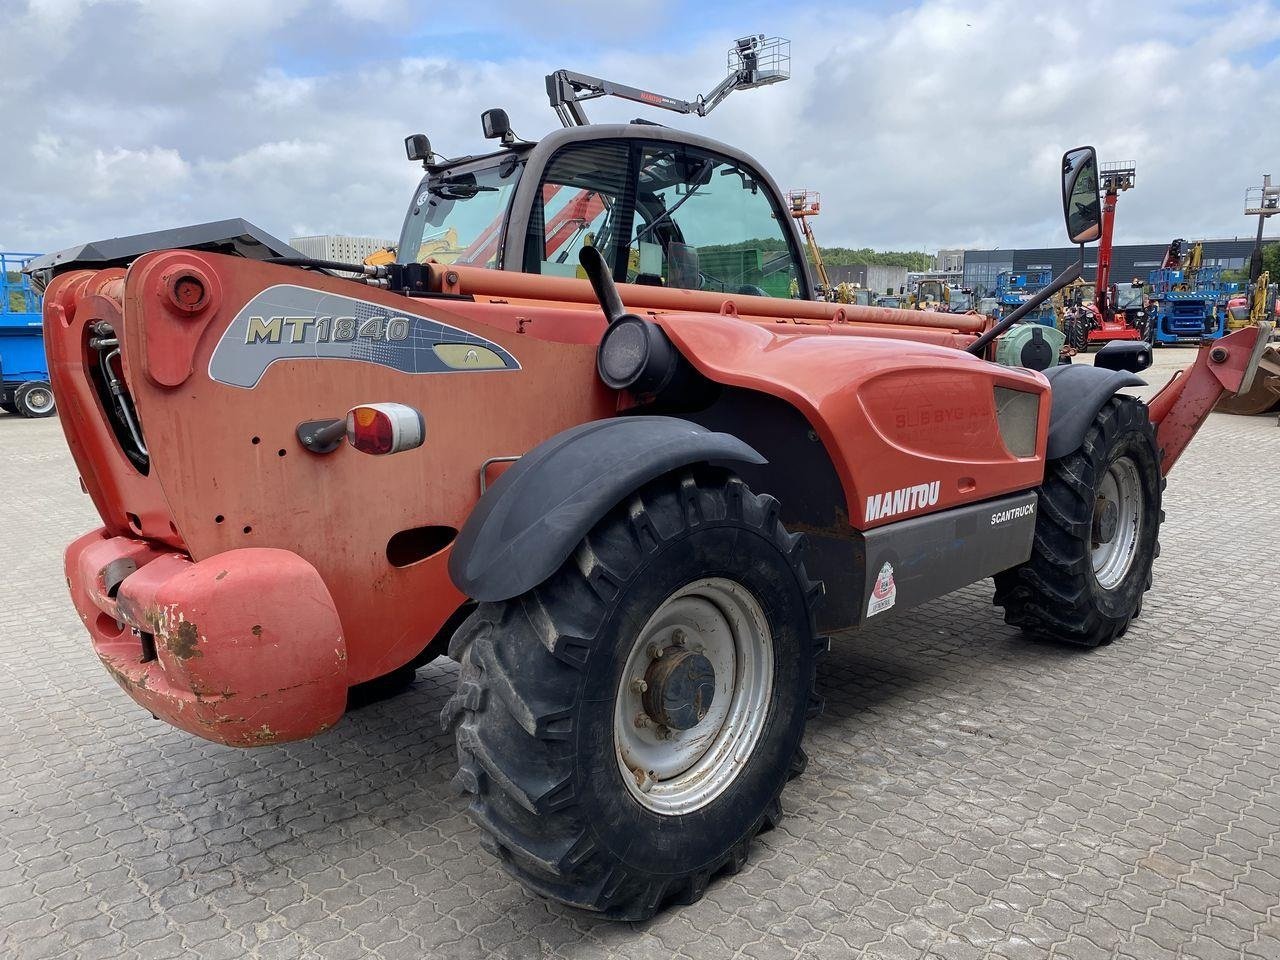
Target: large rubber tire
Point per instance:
(1076, 330)
(8, 407)
(541, 673)
(34, 399)
(1057, 593)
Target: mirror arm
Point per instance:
(1067, 276)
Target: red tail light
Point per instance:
(380, 428)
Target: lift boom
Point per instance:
(754, 61)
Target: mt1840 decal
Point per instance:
(287, 322)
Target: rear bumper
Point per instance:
(1113, 331)
(244, 648)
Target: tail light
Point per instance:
(380, 428)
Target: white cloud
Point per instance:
(935, 125)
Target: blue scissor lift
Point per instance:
(24, 371)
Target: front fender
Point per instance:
(531, 519)
(1079, 391)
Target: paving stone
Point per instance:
(971, 792)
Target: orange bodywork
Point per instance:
(259, 571)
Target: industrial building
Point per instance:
(981, 267)
(344, 249)
(873, 276)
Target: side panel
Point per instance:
(910, 428)
(917, 560)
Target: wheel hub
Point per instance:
(693, 696)
(679, 689)
(1106, 520)
(1116, 531)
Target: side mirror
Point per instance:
(1131, 355)
(1080, 203)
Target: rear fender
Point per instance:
(530, 520)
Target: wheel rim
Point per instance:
(1117, 522)
(713, 622)
(39, 400)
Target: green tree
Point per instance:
(1270, 263)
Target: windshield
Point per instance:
(1128, 296)
(459, 217)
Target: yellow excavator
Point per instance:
(1258, 308)
(442, 247)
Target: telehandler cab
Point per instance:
(631, 508)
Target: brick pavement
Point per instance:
(971, 793)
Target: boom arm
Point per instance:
(753, 62)
(1115, 177)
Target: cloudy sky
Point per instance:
(923, 125)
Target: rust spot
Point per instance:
(221, 575)
(838, 529)
(182, 644)
(257, 630)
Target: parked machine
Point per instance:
(1034, 342)
(805, 204)
(630, 508)
(1096, 319)
(1183, 297)
(24, 373)
(1015, 289)
(1260, 307)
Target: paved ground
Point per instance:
(970, 793)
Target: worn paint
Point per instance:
(182, 642)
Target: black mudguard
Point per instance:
(1078, 393)
(537, 512)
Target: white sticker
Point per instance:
(884, 593)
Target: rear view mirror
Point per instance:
(1080, 203)
(1131, 355)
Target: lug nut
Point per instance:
(678, 637)
(655, 652)
(639, 686)
(642, 720)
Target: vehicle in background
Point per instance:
(1093, 318)
(1035, 341)
(24, 372)
(1183, 297)
(1015, 289)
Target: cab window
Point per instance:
(704, 222)
(458, 217)
(581, 202)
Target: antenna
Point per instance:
(754, 61)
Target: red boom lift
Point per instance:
(1097, 322)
